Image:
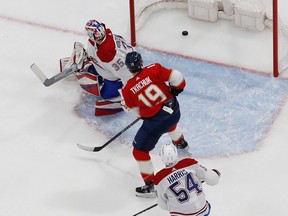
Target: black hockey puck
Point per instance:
(185, 33)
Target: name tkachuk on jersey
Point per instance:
(149, 90)
(146, 81)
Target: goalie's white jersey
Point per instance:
(109, 57)
(179, 188)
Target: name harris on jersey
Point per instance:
(175, 176)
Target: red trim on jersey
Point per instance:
(166, 171)
(107, 49)
(192, 214)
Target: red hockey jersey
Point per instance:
(148, 90)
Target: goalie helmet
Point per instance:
(96, 31)
(169, 155)
(134, 62)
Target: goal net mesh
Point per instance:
(143, 9)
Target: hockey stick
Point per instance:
(145, 209)
(47, 82)
(98, 148)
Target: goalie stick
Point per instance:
(50, 81)
(99, 148)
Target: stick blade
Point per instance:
(36, 70)
(88, 148)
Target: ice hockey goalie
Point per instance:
(101, 69)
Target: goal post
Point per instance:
(275, 38)
(254, 15)
(132, 23)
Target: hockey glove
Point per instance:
(78, 56)
(176, 92)
(217, 171)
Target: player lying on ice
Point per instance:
(101, 66)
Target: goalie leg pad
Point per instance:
(89, 79)
(108, 107)
(91, 88)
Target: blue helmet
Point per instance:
(134, 62)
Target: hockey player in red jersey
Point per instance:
(101, 65)
(179, 185)
(155, 102)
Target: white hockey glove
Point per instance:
(211, 177)
(134, 110)
(122, 102)
(79, 56)
(201, 172)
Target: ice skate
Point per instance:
(146, 191)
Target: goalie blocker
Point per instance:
(92, 83)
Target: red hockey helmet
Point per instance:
(96, 31)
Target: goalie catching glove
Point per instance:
(79, 57)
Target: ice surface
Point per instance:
(42, 172)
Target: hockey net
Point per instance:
(251, 14)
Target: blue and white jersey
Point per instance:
(109, 57)
(179, 188)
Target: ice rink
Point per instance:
(235, 119)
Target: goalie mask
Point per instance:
(169, 155)
(96, 31)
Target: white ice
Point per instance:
(42, 172)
